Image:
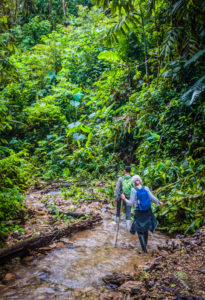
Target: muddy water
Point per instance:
(75, 272)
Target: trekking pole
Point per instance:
(118, 224)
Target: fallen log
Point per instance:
(58, 185)
(69, 214)
(22, 248)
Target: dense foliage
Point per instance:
(85, 91)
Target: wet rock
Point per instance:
(66, 241)
(28, 258)
(155, 264)
(177, 244)
(164, 253)
(52, 246)
(60, 245)
(48, 248)
(107, 296)
(2, 286)
(49, 291)
(44, 276)
(72, 246)
(44, 270)
(111, 286)
(8, 277)
(117, 279)
(131, 287)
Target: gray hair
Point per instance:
(135, 177)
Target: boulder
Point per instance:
(131, 287)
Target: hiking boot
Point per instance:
(146, 237)
(142, 242)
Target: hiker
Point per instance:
(144, 219)
(124, 185)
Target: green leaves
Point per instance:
(109, 56)
(77, 97)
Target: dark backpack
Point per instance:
(143, 199)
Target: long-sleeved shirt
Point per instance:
(118, 188)
(133, 201)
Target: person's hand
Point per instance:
(161, 203)
(123, 197)
(115, 200)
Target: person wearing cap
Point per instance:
(117, 197)
(144, 220)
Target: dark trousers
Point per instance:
(127, 209)
(143, 238)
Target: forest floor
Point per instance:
(175, 270)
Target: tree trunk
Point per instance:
(50, 6)
(145, 46)
(64, 11)
(158, 46)
(16, 11)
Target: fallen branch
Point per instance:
(22, 248)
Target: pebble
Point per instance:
(9, 276)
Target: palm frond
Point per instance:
(194, 92)
(195, 57)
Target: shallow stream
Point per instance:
(75, 271)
